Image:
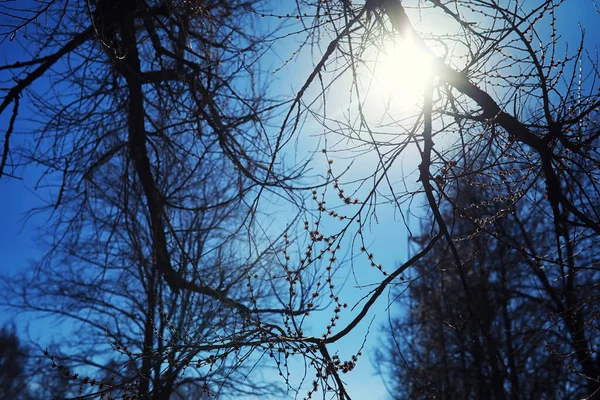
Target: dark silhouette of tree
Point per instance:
(163, 151)
(441, 346)
(21, 377)
(13, 359)
(507, 302)
(153, 146)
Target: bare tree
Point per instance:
(521, 120)
(168, 105)
(153, 144)
(12, 364)
(508, 108)
(20, 375)
(438, 347)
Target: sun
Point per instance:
(401, 72)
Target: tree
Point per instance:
(182, 78)
(154, 146)
(540, 157)
(443, 349)
(12, 364)
(541, 185)
(20, 377)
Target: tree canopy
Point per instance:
(216, 173)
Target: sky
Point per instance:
(20, 243)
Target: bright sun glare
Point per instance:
(401, 72)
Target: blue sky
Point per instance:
(19, 244)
